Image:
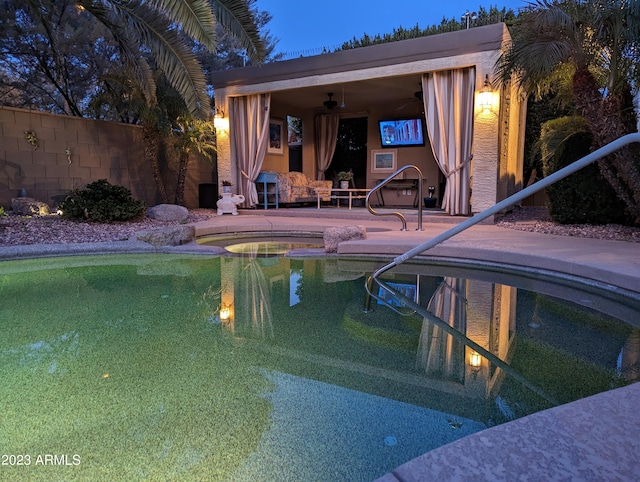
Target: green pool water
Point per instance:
(163, 367)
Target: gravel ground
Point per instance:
(22, 230)
(537, 219)
(52, 229)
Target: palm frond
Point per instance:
(171, 55)
(195, 17)
(129, 47)
(238, 20)
(555, 133)
(547, 38)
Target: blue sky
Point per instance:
(306, 25)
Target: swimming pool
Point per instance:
(274, 368)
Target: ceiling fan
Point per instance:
(330, 104)
(415, 100)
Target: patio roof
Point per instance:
(386, 72)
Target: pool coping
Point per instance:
(590, 439)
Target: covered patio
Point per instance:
(473, 129)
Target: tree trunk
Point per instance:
(182, 176)
(150, 137)
(605, 120)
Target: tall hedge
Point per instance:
(584, 197)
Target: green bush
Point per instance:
(1, 211)
(103, 203)
(584, 197)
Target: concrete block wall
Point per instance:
(72, 152)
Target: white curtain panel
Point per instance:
(439, 354)
(326, 138)
(249, 118)
(448, 104)
(254, 313)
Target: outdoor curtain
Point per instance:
(326, 138)
(439, 354)
(254, 312)
(249, 118)
(448, 104)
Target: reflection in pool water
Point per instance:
(249, 368)
(265, 249)
(259, 245)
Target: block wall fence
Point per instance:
(71, 152)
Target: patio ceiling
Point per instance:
(396, 92)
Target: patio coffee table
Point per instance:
(337, 193)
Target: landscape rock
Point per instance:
(333, 236)
(28, 206)
(168, 212)
(168, 236)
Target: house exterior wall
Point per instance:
(489, 177)
(98, 150)
(498, 133)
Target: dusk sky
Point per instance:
(303, 25)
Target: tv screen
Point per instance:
(404, 132)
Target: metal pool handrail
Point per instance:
(511, 200)
(398, 213)
(459, 336)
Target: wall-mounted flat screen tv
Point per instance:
(399, 133)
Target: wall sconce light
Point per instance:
(225, 313)
(485, 96)
(475, 360)
(219, 120)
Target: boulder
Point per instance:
(28, 206)
(168, 236)
(168, 212)
(334, 236)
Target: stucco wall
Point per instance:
(496, 168)
(98, 150)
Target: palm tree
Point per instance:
(120, 98)
(192, 136)
(161, 28)
(595, 46)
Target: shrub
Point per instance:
(103, 203)
(584, 197)
(1, 211)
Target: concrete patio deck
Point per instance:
(591, 439)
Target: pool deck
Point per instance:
(595, 438)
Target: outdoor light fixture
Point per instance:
(469, 16)
(225, 313)
(485, 97)
(219, 121)
(475, 360)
